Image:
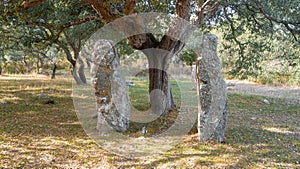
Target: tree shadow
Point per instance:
(30, 127)
(245, 146)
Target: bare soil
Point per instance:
(289, 93)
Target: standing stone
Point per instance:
(212, 119)
(113, 106)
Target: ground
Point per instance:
(38, 135)
(291, 94)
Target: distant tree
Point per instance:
(2, 60)
(249, 30)
(188, 56)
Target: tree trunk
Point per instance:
(161, 99)
(54, 71)
(0, 69)
(88, 63)
(81, 71)
(15, 68)
(75, 76)
(37, 67)
(159, 90)
(39, 64)
(26, 64)
(73, 62)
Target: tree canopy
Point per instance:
(32, 25)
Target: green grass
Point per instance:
(139, 98)
(37, 135)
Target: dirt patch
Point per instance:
(290, 94)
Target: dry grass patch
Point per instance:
(37, 135)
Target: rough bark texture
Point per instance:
(113, 106)
(160, 98)
(183, 9)
(159, 86)
(212, 117)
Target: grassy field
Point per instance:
(36, 135)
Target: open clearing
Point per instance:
(290, 94)
(38, 135)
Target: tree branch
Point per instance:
(262, 11)
(277, 20)
(241, 47)
(104, 10)
(203, 8)
(129, 7)
(55, 36)
(29, 4)
(183, 9)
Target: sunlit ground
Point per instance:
(34, 134)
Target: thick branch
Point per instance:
(205, 8)
(78, 22)
(277, 20)
(67, 52)
(183, 9)
(29, 4)
(51, 28)
(177, 33)
(104, 10)
(241, 47)
(81, 21)
(143, 41)
(129, 7)
(273, 18)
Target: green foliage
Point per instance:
(260, 46)
(124, 49)
(252, 31)
(164, 6)
(272, 59)
(188, 56)
(36, 34)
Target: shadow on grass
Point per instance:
(29, 115)
(34, 134)
(245, 147)
(258, 135)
